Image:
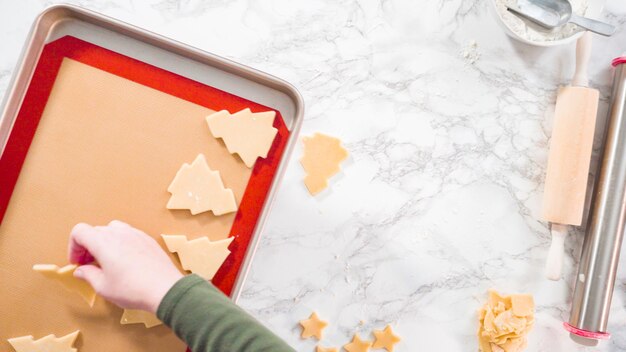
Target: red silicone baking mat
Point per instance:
(35, 102)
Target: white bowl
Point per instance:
(594, 8)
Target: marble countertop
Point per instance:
(440, 198)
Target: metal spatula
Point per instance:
(555, 13)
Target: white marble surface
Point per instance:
(440, 198)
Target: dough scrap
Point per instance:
(313, 326)
(200, 256)
(136, 316)
(65, 276)
(504, 322)
(198, 188)
(321, 159)
(325, 349)
(247, 134)
(357, 345)
(49, 343)
(385, 339)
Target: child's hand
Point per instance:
(133, 271)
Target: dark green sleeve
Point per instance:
(207, 320)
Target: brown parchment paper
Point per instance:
(106, 148)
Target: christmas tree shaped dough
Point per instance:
(48, 343)
(136, 316)
(65, 276)
(198, 188)
(313, 326)
(200, 256)
(357, 345)
(385, 339)
(321, 159)
(248, 134)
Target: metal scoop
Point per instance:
(555, 13)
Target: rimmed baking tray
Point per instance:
(96, 122)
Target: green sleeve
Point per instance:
(207, 320)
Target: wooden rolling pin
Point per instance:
(569, 157)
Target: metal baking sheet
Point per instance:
(117, 38)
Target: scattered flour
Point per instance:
(533, 32)
(470, 52)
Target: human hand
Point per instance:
(132, 270)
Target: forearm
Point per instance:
(207, 320)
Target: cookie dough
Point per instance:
(65, 276)
(357, 345)
(136, 316)
(48, 343)
(385, 339)
(504, 322)
(313, 327)
(198, 188)
(248, 134)
(325, 349)
(200, 256)
(321, 159)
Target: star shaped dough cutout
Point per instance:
(313, 327)
(48, 343)
(321, 159)
(325, 349)
(65, 276)
(357, 345)
(136, 316)
(198, 188)
(385, 339)
(247, 134)
(200, 256)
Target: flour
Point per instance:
(533, 32)
(470, 52)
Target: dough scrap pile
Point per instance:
(248, 134)
(198, 188)
(65, 276)
(200, 256)
(48, 343)
(504, 322)
(321, 159)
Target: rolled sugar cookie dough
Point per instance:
(65, 276)
(48, 343)
(357, 345)
(200, 256)
(313, 327)
(385, 339)
(198, 188)
(321, 159)
(247, 134)
(136, 316)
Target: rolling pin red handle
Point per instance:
(586, 334)
(554, 263)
